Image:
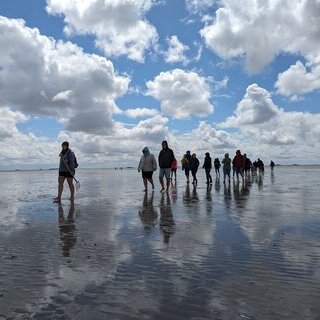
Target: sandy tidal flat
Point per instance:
(241, 251)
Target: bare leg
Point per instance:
(60, 188)
(168, 184)
(71, 187)
(151, 181)
(161, 182)
(145, 183)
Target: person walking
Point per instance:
(247, 165)
(238, 163)
(194, 165)
(207, 165)
(217, 166)
(66, 170)
(186, 164)
(226, 162)
(272, 165)
(147, 165)
(174, 168)
(165, 159)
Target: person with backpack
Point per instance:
(67, 170)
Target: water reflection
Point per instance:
(148, 213)
(174, 191)
(241, 193)
(227, 195)
(67, 229)
(208, 199)
(272, 176)
(187, 196)
(167, 224)
(217, 184)
(194, 194)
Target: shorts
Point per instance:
(165, 172)
(238, 170)
(147, 174)
(227, 171)
(65, 174)
(173, 169)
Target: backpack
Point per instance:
(76, 165)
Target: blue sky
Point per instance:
(113, 76)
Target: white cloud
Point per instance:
(176, 51)
(124, 145)
(182, 94)
(63, 96)
(298, 80)
(120, 27)
(58, 79)
(8, 120)
(198, 5)
(140, 112)
(18, 148)
(261, 121)
(260, 30)
(256, 107)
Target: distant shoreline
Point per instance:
(134, 168)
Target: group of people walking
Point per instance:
(168, 164)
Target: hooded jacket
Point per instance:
(147, 162)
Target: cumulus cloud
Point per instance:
(176, 51)
(207, 138)
(182, 94)
(140, 112)
(124, 145)
(259, 30)
(260, 120)
(120, 27)
(256, 107)
(42, 76)
(16, 147)
(63, 96)
(198, 5)
(8, 121)
(298, 80)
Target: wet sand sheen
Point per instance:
(245, 251)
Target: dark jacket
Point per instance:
(207, 163)
(217, 164)
(238, 161)
(194, 164)
(165, 158)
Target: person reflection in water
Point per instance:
(148, 213)
(167, 224)
(67, 229)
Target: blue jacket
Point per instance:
(69, 159)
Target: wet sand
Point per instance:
(245, 251)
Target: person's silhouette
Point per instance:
(67, 229)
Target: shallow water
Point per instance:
(245, 251)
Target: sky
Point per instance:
(113, 76)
